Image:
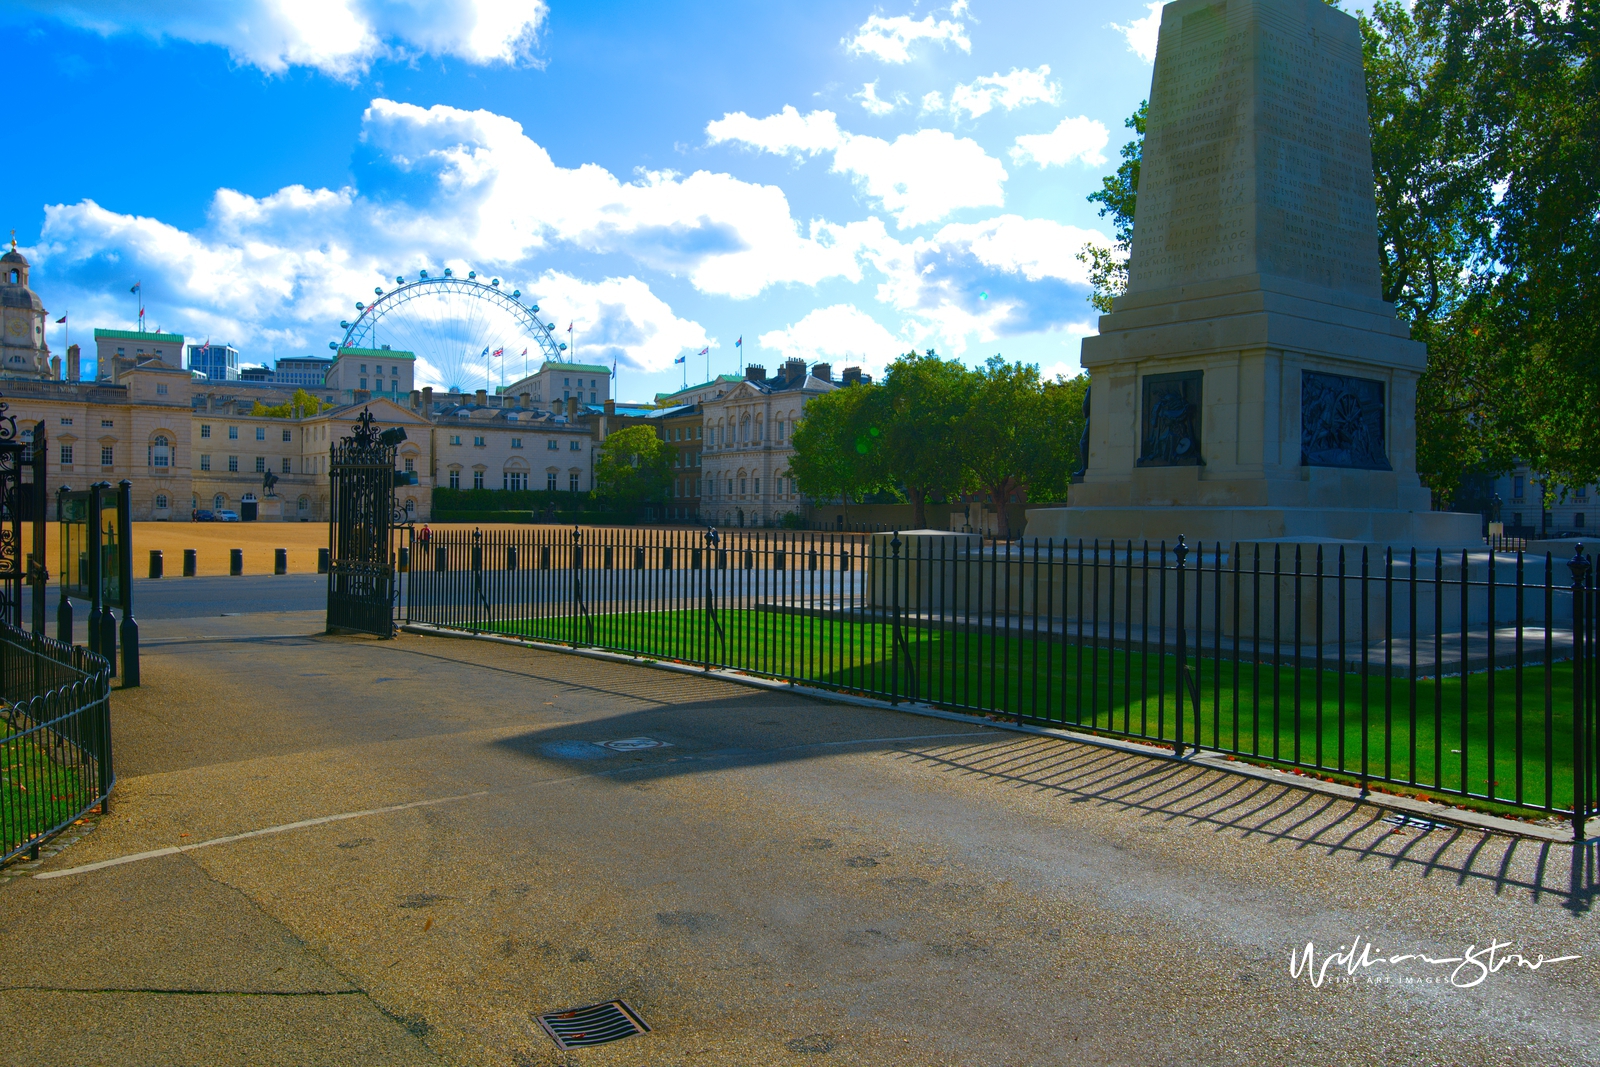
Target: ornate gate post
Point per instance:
(361, 571)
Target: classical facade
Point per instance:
(749, 432)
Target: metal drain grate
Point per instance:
(594, 1025)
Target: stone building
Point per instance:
(554, 384)
(748, 441)
(24, 351)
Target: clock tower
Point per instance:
(23, 350)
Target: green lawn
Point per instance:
(37, 793)
(1272, 714)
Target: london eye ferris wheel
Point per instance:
(463, 331)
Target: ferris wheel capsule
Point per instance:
(399, 280)
(360, 306)
(495, 282)
(472, 274)
(448, 273)
(516, 294)
(377, 290)
(550, 326)
(422, 274)
(334, 345)
(562, 346)
(534, 309)
(343, 325)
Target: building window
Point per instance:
(233, 433)
(288, 467)
(1577, 519)
(575, 446)
(66, 421)
(455, 479)
(66, 455)
(741, 487)
(553, 445)
(105, 424)
(411, 465)
(205, 463)
(261, 433)
(455, 439)
(107, 458)
(516, 442)
(217, 501)
(592, 400)
(758, 487)
(477, 479)
(161, 390)
(572, 482)
(261, 464)
(233, 463)
(161, 498)
(160, 453)
(205, 429)
(1582, 492)
(477, 442)
(304, 503)
(1516, 487)
(363, 383)
(286, 435)
(550, 481)
(516, 479)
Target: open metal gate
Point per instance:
(23, 510)
(361, 563)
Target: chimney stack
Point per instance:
(483, 398)
(523, 398)
(572, 407)
(823, 371)
(416, 399)
(794, 370)
(611, 406)
(755, 372)
(55, 368)
(427, 400)
(74, 363)
(852, 376)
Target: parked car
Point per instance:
(227, 516)
(205, 515)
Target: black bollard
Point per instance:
(64, 620)
(130, 650)
(322, 561)
(158, 566)
(280, 561)
(191, 565)
(108, 638)
(235, 561)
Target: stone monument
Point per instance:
(1252, 384)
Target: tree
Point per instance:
(1008, 444)
(838, 445)
(297, 406)
(924, 399)
(635, 466)
(1117, 196)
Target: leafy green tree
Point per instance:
(838, 445)
(635, 466)
(1117, 196)
(297, 406)
(924, 399)
(1009, 446)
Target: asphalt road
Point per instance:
(781, 881)
(184, 598)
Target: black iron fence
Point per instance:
(55, 744)
(1464, 674)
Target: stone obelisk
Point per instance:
(1252, 384)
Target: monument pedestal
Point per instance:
(1252, 384)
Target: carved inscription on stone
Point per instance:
(1341, 422)
(1257, 157)
(1170, 430)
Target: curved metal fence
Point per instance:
(55, 738)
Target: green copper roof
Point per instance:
(587, 368)
(135, 335)
(730, 379)
(378, 353)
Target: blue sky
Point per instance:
(832, 180)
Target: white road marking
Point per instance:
(302, 824)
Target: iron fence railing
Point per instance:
(1464, 674)
(55, 744)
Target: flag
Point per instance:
(499, 352)
(141, 313)
(681, 359)
(706, 351)
(569, 327)
(524, 351)
(61, 320)
(136, 287)
(740, 342)
(485, 352)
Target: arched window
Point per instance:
(161, 502)
(15, 277)
(160, 452)
(218, 501)
(304, 503)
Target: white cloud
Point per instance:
(1010, 91)
(873, 103)
(1142, 33)
(1080, 138)
(890, 39)
(786, 132)
(622, 317)
(918, 177)
(1033, 248)
(842, 333)
(338, 37)
(933, 101)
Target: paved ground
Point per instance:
(789, 883)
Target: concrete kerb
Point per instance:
(1424, 811)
